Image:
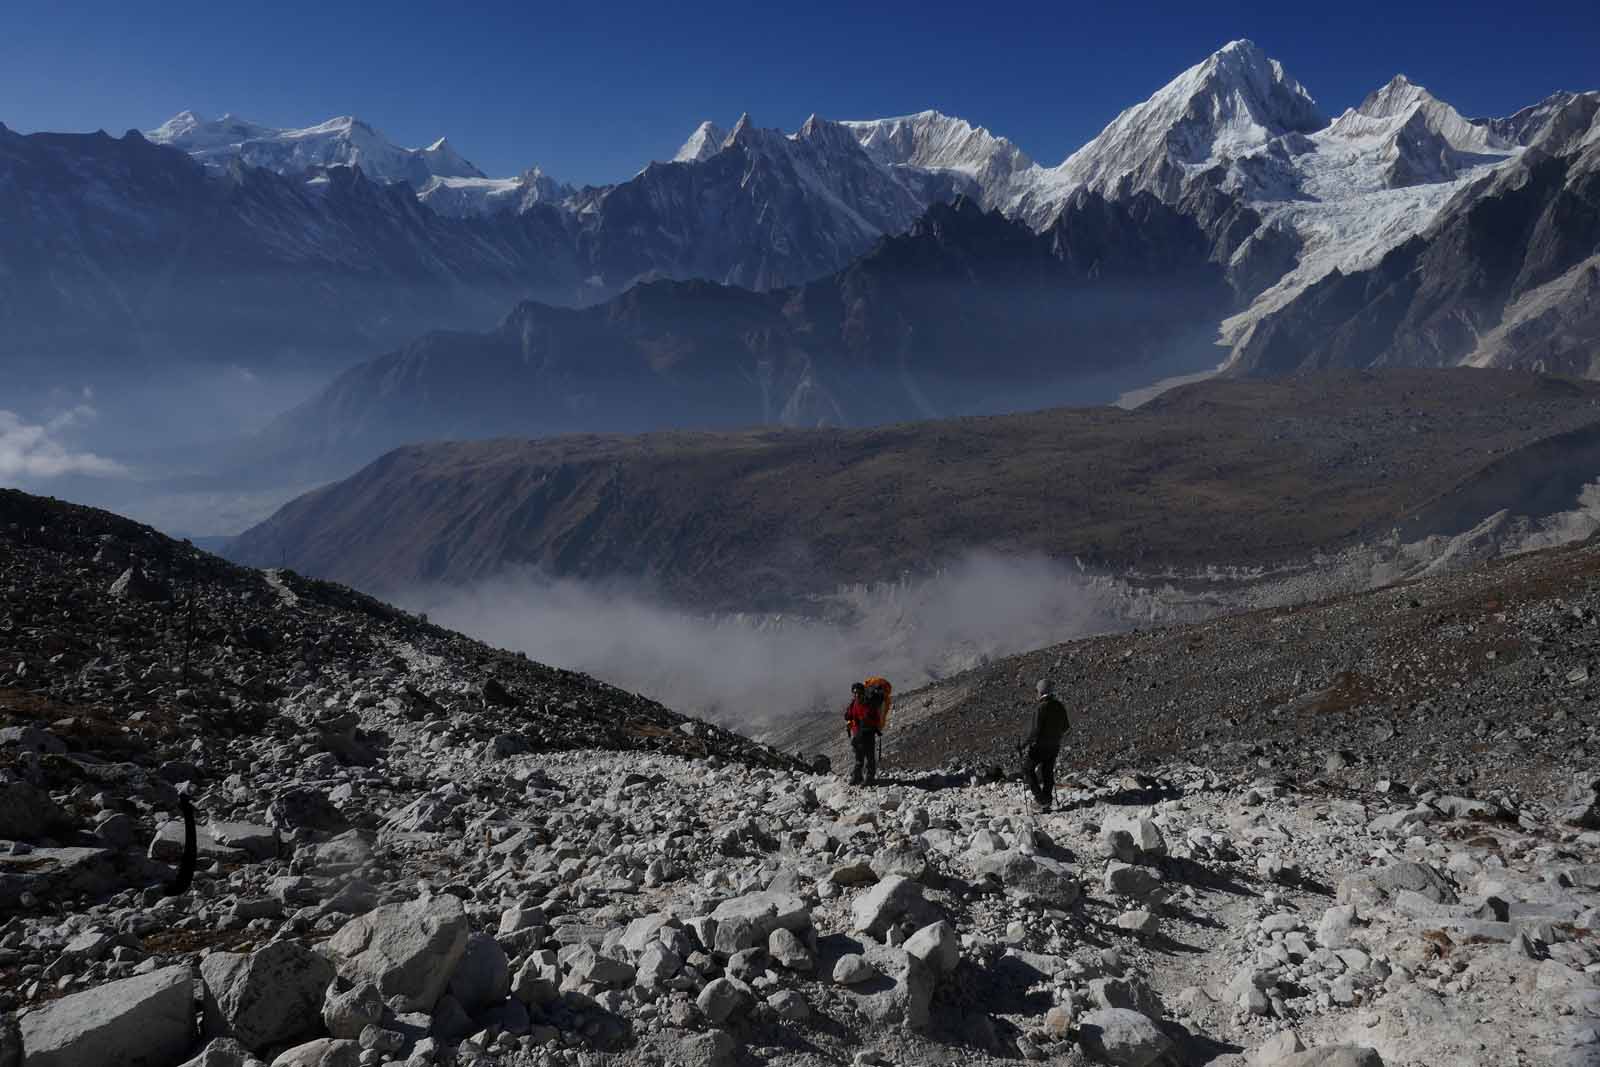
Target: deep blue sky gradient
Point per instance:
(592, 91)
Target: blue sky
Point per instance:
(592, 91)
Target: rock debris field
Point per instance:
(417, 850)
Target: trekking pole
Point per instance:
(880, 751)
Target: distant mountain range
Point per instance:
(967, 312)
(211, 236)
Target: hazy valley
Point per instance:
(454, 675)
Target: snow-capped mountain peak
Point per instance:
(1231, 103)
(742, 131)
(937, 142)
(1417, 137)
(705, 142)
(344, 140)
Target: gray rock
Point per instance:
(722, 999)
(1331, 1056)
(1467, 807)
(1334, 929)
(789, 1004)
(1128, 880)
(59, 873)
(538, 980)
(851, 968)
(714, 1049)
(874, 909)
(1417, 877)
(483, 977)
(515, 920)
(28, 814)
(640, 933)
(901, 990)
(1131, 993)
(407, 950)
(272, 996)
(856, 871)
(304, 808)
(907, 859)
(790, 952)
(1131, 838)
(347, 1009)
(587, 965)
(1139, 921)
(31, 739)
(144, 1021)
(657, 964)
(376, 1037)
(220, 1052)
(167, 845)
(937, 946)
(259, 842)
(1272, 1052)
(1125, 1038)
(323, 1052)
(747, 921)
(135, 584)
(1035, 877)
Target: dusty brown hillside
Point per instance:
(1483, 679)
(1220, 472)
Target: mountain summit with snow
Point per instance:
(1285, 198)
(1233, 102)
(343, 141)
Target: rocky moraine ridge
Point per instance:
(417, 850)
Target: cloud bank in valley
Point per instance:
(34, 451)
(753, 671)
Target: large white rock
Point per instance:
(1123, 1037)
(876, 909)
(145, 1021)
(407, 950)
(1036, 877)
(1131, 838)
(937, 946)
(747, 921)
(272, 996)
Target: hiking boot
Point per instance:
(855, 779)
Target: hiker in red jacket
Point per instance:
(863, 721)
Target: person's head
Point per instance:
(858, 690)
(1045, 688)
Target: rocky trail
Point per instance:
(418, 850)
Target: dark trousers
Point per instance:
(865, 745)
(1039, 772)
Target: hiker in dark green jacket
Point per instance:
(1042, 744)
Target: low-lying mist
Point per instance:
(754, 670)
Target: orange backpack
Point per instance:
(882, 685)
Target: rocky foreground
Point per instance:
(417, 850)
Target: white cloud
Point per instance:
(38, 450)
